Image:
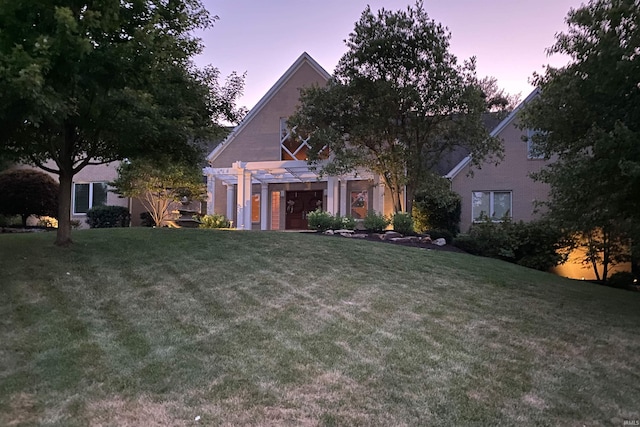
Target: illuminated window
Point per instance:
(493, 205)
(88, 195)
(533, 149)
(359, 204)
(255, 207)
(290, 147)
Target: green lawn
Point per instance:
(151, 327)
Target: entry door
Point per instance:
(298, 206)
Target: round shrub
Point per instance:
(28, 192)
(319, 220)
(403, 223)
(375, 222)
(214, 221)
(343, 222)
(439, 210)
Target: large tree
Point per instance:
(398, 102)
(588, 117)
(89, 82)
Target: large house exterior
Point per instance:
(507, 189)
(259, 177)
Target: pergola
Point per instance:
(242, 175)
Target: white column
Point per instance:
(332, 195)
(264, 206)
(244, 200)
(343, 198)
(211, 194)
(231, 203)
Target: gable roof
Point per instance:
(302, 59)
(499, 128)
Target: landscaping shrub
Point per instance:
(27, 192)
(623, 279)
(375, 222)
(319, 220)
(214, 221)
(343, 222)
(10, 220)
(403, 223)
(108, 216)
(538, 245)
(535, 244)
(437, 210)
(467, 243)
(146, 219)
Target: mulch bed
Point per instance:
(375, 237)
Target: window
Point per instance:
(291, 149)
(359, 204)
(255, 207)
(533, 151)
(88, 195)
(494, 205)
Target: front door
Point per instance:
(298, 206)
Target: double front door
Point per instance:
(298, 205)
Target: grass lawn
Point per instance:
(155, 327)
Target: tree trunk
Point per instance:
(24, 219)
(63, 235)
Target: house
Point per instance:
(507, 189)
(89, 188)
(258, 176)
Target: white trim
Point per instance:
(90, 195)
(503, 124)
(279, 172)
(492, 204)
(304, 58)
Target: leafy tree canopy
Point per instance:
(398, 102)
(89, 82)
(588, 113)
(28, 192)
(159, 183)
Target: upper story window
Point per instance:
(291, 148)
(492, 205)
(88, 195)
(533, 150)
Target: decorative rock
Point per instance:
(391, 234)
(329, 233)
(359, 236)
(440, 242)
(426, 239)
(343, 231)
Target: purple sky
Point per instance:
(263, 38)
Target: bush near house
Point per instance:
(320, 220)
(437, 210)
(536, 244)
(214, 221)
(375, 222)
(343, 222)
(108, 217)
(27, 192)
(403, 223)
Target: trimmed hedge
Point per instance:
(108, 217)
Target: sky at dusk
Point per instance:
(263, 38)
